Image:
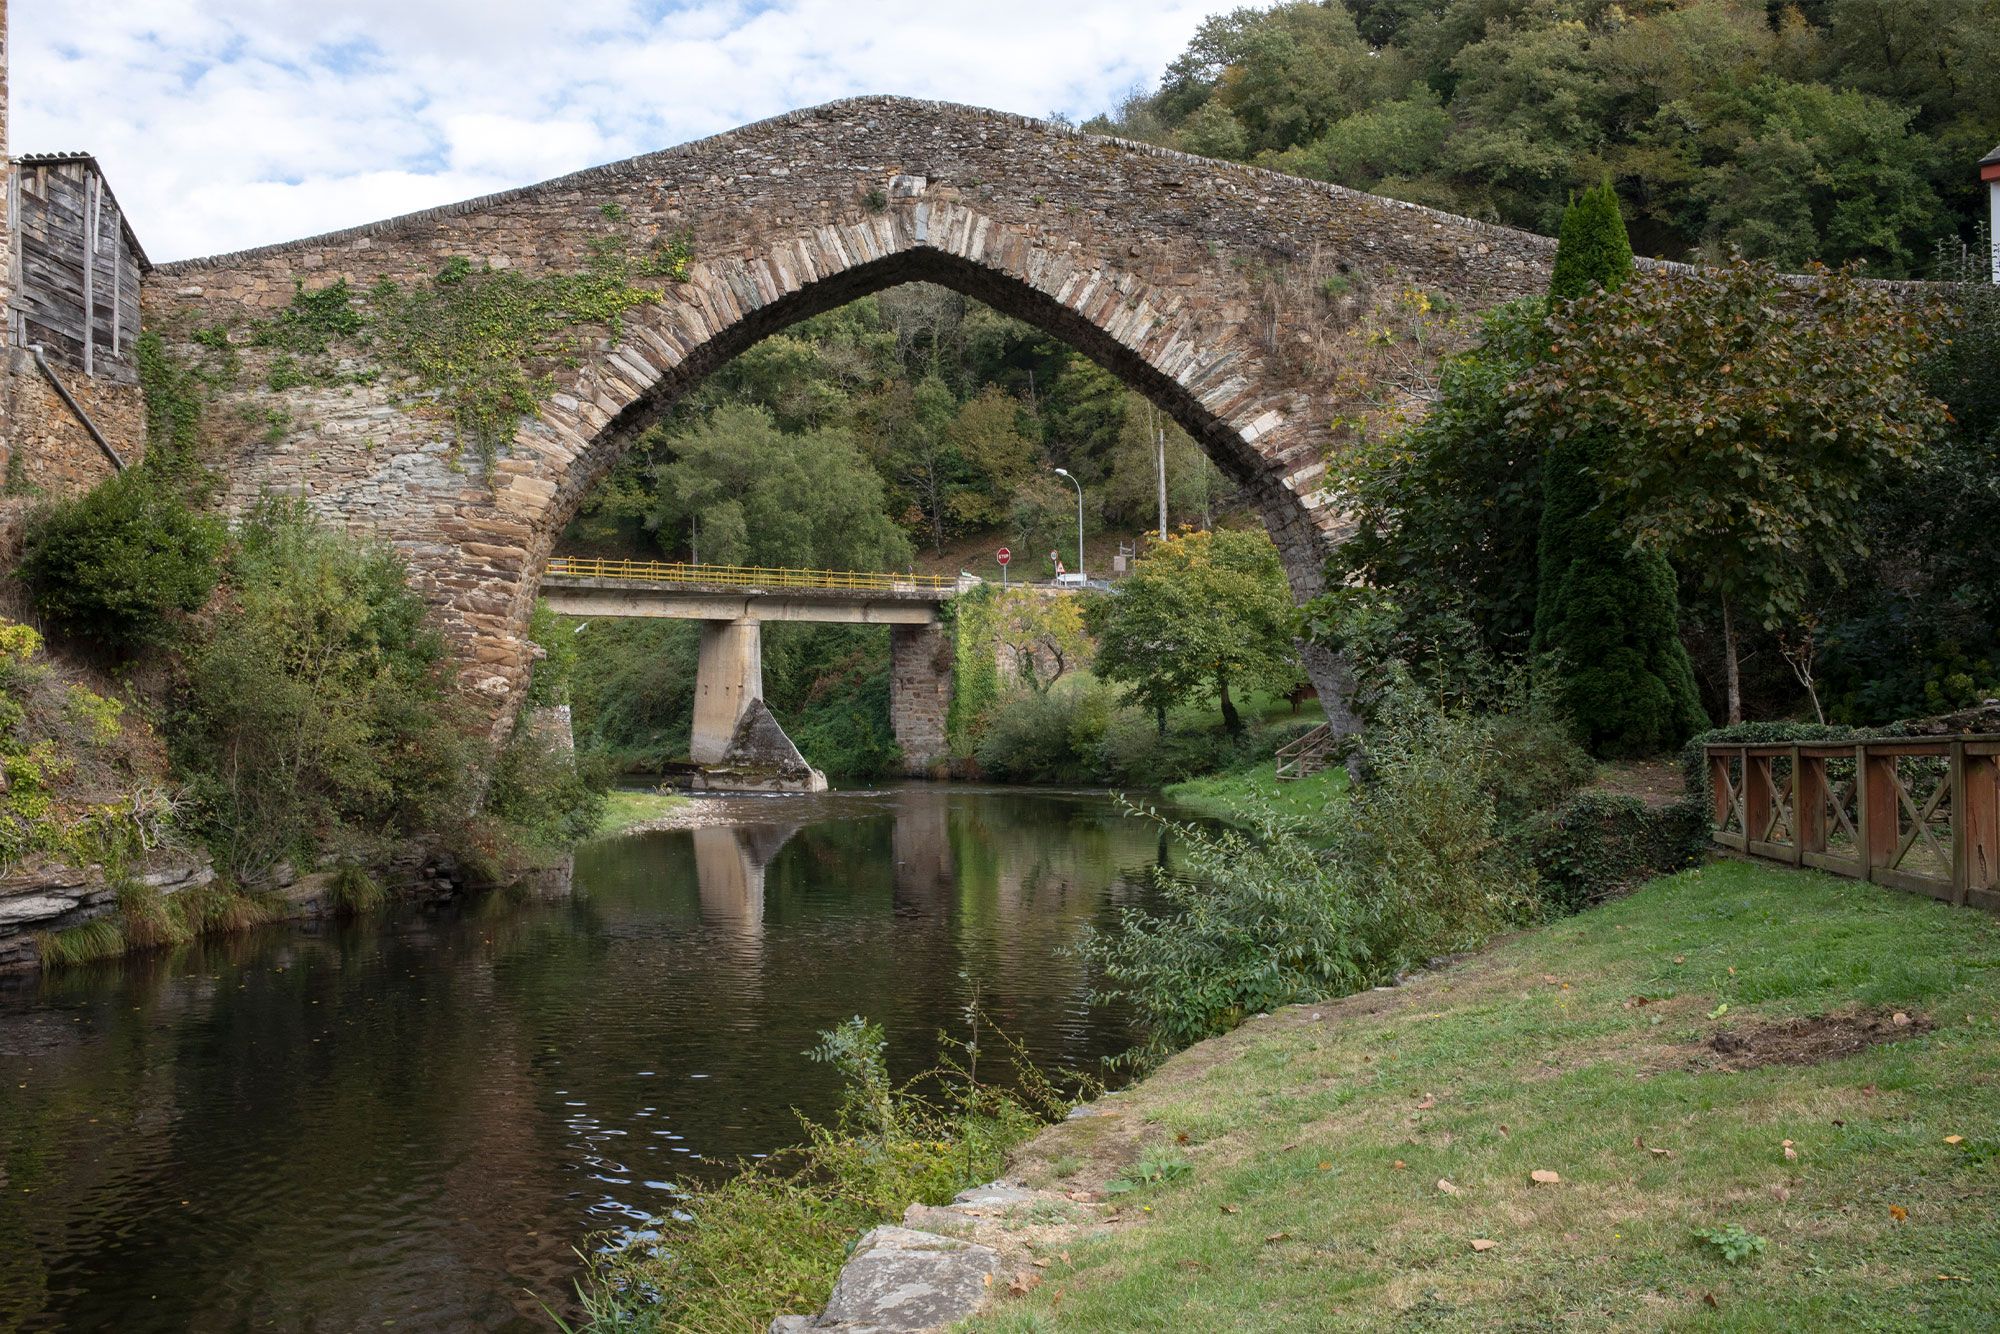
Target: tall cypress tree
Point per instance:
(1604, 610)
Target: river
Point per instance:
(415, 1121)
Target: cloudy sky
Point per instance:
(230, 123)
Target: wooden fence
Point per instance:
(1921, 815)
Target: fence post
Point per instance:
(1981, 818)
(1756, 798)
(1718, 786)
(1961, 846)
(1879, 807)
(1808, 805)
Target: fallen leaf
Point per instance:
(1276, 1236)
(1399, 1164)
(1680, 958)
(1898, 1212)
(1325, 1166)
(1041, 1264)
(1732, 972)
(1482, 1244)
(1504, 1131)
(1024, 1283)
(987, 1279)
(1286, 1148)
(1447, 1187)
(1708, 1298)
(1953, 1278)
(1781, 1193)
(1428, 1103)
(1231, 1209)
(1545, 1177)
(1181, 1138)
(1791, 1154)
(1954, 1139)
(1899, 1019)
(1064, 1257)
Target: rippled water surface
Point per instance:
(410, 1123)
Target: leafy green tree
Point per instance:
(986, 436)
(118, 563)
(747, 493)
(1744, 421)
(1043, 632)
(1605, 612)
(1448, 512)
(1202, 611)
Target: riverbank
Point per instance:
(1807, 1059)
(1225, 796)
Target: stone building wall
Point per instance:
(45, 449)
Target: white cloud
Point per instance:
(231, 123)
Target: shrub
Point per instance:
(315, 708)
(1285, 911)
(549, 798)
(1052, 736)
(1599, 843)
(118, 563)
(355, 893)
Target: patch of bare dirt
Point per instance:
(1826, 1037)
(1654, 782)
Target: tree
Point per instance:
(1606, 620)
(748, 493)
(986, 437)
(1201, 611)
(1744, 420)
(119, 562)
(1448, 512)
(1044, 633)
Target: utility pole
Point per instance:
(1160, 439)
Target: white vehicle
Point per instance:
(1071, 579)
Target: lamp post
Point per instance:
(1065, 472)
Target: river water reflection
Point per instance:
(410, 1123)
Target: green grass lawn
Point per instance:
(1316, 1139)
(1224, 796)
(630, 806)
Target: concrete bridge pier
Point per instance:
(729, 678)
(734, 735)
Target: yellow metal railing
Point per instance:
(748, 576)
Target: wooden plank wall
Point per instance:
(56, 205)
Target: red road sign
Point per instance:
(1003, 555)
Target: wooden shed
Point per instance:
(76, 266)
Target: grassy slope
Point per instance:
(1226, 795)
(630, 806)
(1296, 1214)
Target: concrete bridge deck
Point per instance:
(577, 586)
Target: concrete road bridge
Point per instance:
(1270, 316)
(734, 733)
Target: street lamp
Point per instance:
(1065, 472)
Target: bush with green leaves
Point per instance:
(315, 708)
(1598, 844)
(549, 796)
(120, 563)
(1277, 911)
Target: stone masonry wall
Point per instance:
(44, 449)
(1207, 286)
(920, 663)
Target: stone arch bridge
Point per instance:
(1268, 315)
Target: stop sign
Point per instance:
(1003, 555)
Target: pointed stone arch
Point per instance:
(1189, 279)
